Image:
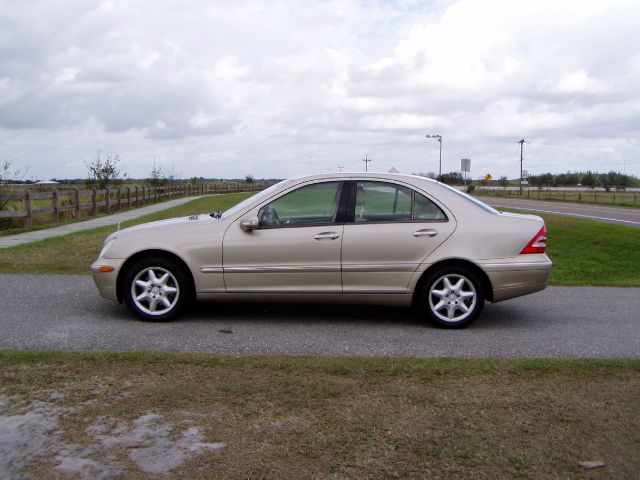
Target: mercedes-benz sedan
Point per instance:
(336, 238)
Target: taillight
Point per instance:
(538, 244)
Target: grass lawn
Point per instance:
(72, 254)
(328, 417)
(584, 252)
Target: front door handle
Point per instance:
(426, 232)
(327, 236)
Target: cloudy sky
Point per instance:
(274, 88)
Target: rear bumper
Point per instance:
(512, 279)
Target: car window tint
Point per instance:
(382, 202)
(425, 209)
(313, 204)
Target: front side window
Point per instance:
(387, 202)
(314, 204)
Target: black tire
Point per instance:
(454, 304)
(164, 298)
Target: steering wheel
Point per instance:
(270, 216)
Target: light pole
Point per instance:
(439, 137)
(522, 141)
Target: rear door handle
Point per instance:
(426, 232)
(327, 236)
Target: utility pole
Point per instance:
(522, 141)
(340, 168)
(366, 161)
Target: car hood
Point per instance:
(169, 224)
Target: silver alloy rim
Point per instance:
(155, 290)
(452, 297)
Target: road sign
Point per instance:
(465, 164)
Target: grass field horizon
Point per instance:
(584, 252)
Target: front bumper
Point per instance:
(107, 281)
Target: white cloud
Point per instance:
(230, 88)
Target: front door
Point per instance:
(296, 248)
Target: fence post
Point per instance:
(595, 196)
(128, 197)
(94, 201)
(137, 204)
(118, 198)
(55, 204)
(107, 197)
(28, 206)
(77, 190)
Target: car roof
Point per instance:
(372, 175)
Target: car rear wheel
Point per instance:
(155, 289)
(452, 297)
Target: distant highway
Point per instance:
(621, 216)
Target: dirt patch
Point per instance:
(33, 436)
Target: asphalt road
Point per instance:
(65, 313)
(622, 216)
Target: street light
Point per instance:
(522, 141)
(439, 137)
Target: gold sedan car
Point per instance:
(351, 238)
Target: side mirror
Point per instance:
(248, 224)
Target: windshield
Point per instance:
(253, 199)
(471, 199)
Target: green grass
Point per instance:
(337, 417)
(592, 197)
(72, 254)
(586, 252)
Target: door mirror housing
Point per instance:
(248, 224)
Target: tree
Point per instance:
(588, 179)
(104, 171)
(156, 177)
(248, 179)
(504, 182)
(7, 175)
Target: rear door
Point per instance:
(390, 230)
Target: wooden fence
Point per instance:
(77, 200)
(613, 197)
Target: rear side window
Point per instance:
(387, 202)
(382, 202)
(425, 209)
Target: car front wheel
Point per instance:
(452, 297)
(155, 289)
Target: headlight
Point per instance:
(106, 247)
